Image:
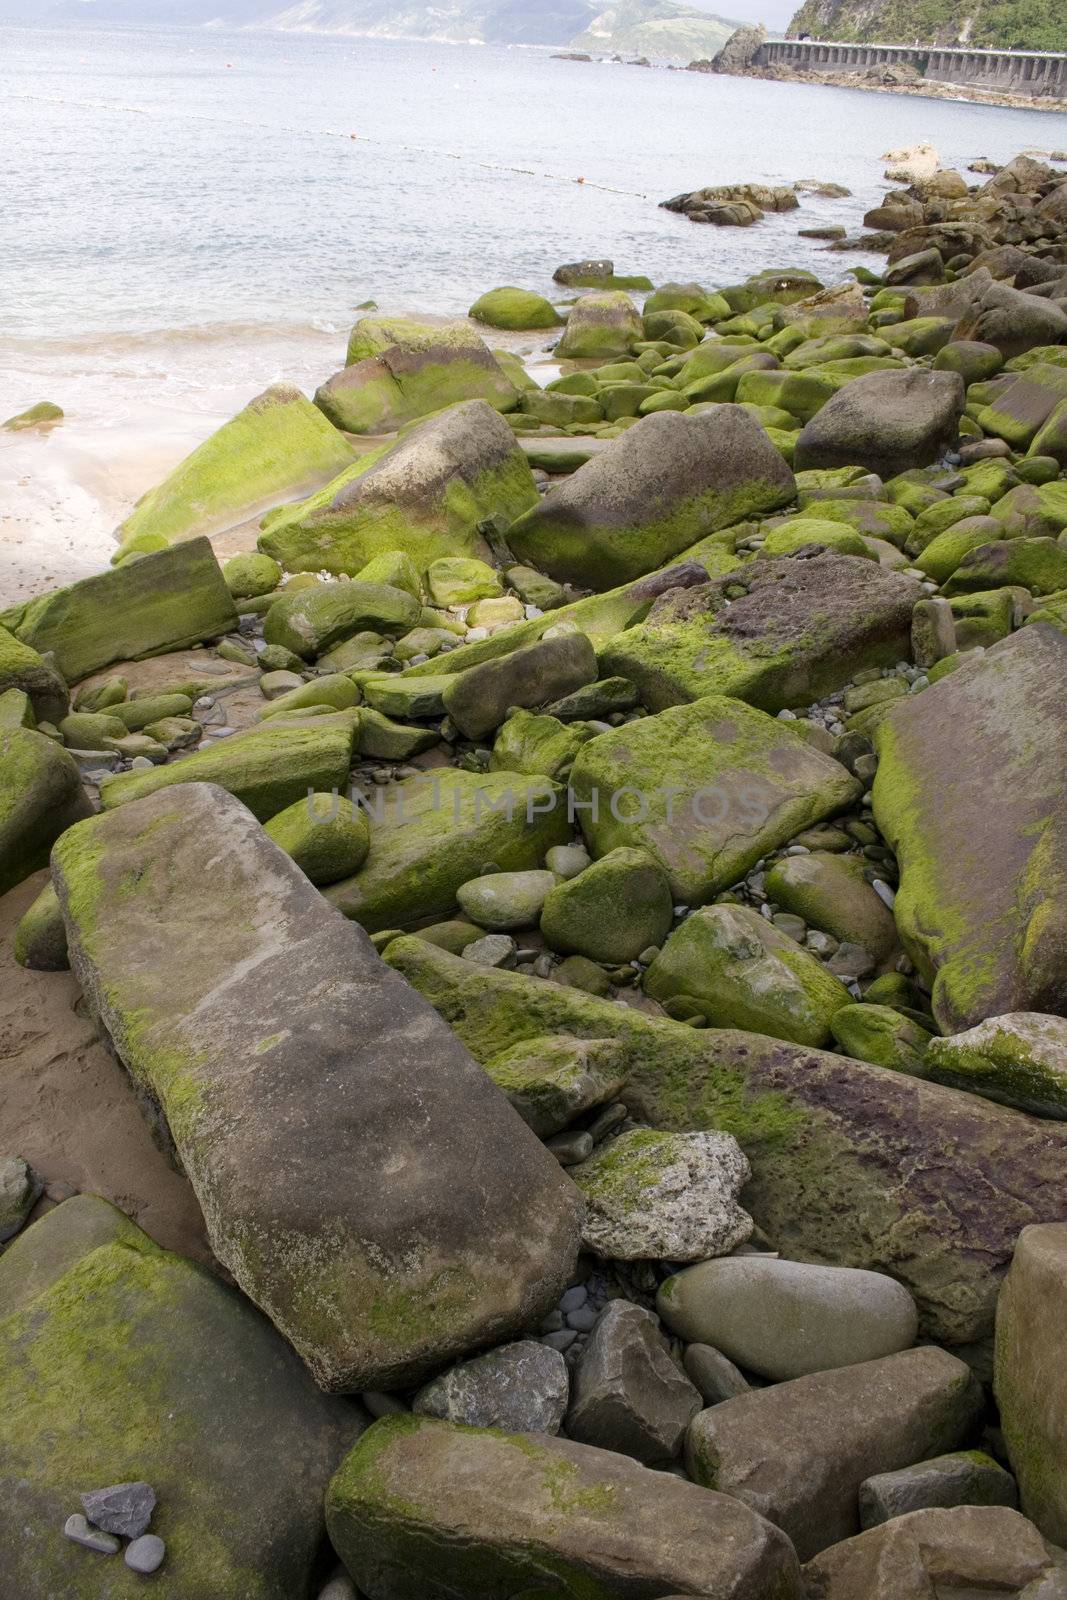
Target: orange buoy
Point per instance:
(579, 180)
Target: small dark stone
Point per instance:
(124, 1508)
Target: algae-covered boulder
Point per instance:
(501, 901)
(42, 415)
(1031, 1374)
(982, 904)
(742, 972)
(399, 370)
(279, 445)
(41, 937)
(851, 1164)
(423, 496)
(325, 834)
(800, 1450)
(706, 789)
(530, 743)
(514, 308)
(1019, 1059)
(776, 633)
(251, 575)
(882, 1036)
(41, 794)
(310, 621)
(288, 1065)
(22, 668)
(178, 1381)
(886, 422)
(431, 835)
(668, 482)
(552, 1080)
(425, 1507)
(703, 304)
(602, 324)
(267, 768)
(166, 601)
(612, 911)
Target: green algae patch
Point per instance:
(280, 444)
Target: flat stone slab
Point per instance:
(165, 601)
(386, 1217)
(969, 794)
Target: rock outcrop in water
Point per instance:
(583, 906)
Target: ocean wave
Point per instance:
(208, 333)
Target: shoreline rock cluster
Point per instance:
(582, 899)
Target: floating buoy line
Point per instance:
(331, 133)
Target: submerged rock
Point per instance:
(287, 1064)
(430, 1508)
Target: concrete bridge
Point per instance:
(1036, 72)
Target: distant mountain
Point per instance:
(663, 29)
(1004, 24)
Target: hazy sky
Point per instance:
(774, 14)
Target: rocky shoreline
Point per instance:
(579, 900)
(891, 80)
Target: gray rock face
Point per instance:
(145, 1555)
(521, 1388)
(982, 904)
(666, 483)
(478, 699)
(386, 1220)
(125, 1508)
(982, 1550)
(120, 1358)
(797, 1452)
(885, 421)
(19, 1189)
(1013, 321)
(1031, 1374)
(430, 1510)
(1019, 1059)
(967, 1478)
(784, 1319)
(714, 1374)
(672, 1196)
(629, 1393)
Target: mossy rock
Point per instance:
(15, 710)
(605, 323)
(504, 901)
(460, 580)
(516, 309)
(555, 410)
(325, 834)
(703, 304)
(104, 1335)
(332, 689)
(1019, 1060)
(23, 668)
(266, 768)
(431, 835)
(41, 935)
(800, 532)
(394, 568)
(41, 795)
(551, 1081)
(612, 911)
(311, 621)
(279, 445)
(382, 739)
(530, 744)
(91, 730)
(744, 973)
(250, 575)
(43, 415)
(399, 370)
(880, 1035)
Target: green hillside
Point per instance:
(1007, 24)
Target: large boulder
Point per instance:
(798, 1451)
(385, 1220)
(1013, 321)
(24, 669)
(666, 483)
(514, 309)
(311, 621)
(629, 1393)
(424, 495)
(981, 1550)
(422, 1507)
(852, 1165)
(162, 602)
(123, 1362)
(278, 447)
(1031, 1374)
(431, 835)
(398, 370)
(886, 422)
(41, 794)
(982, 904)
(776, 633)
(833, 893)
(602, 324)
(478, 700)
(268, 768)
(611, 912)
(706, 789)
